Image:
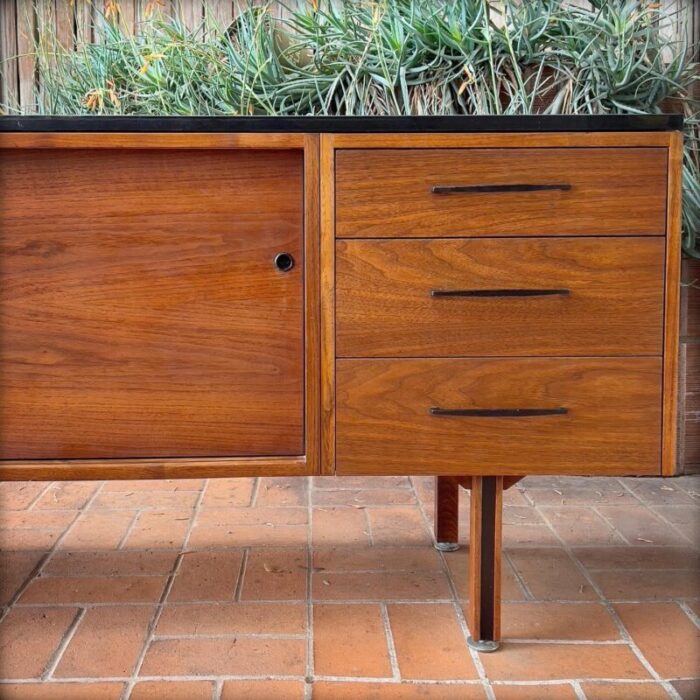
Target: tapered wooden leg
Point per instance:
(485, 562)
(446, 513)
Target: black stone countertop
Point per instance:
(338, 125)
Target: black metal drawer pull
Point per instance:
(498, 412)
(480, 189)
(498, 292)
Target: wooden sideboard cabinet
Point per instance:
(476, 299)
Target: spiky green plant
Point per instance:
(393, 57)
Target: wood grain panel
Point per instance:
(521, 139)
(384, 306)
(327, 301)
(613, 191)
(141, 312)
(145, 468)
(151, 140)
(672, 293)
(312, 303)
(383, 423)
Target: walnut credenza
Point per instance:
(476, 299)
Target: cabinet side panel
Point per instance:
(312, 281)
(669, 457)
(327, 305)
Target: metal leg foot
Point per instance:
(446, 546)
(485, 646)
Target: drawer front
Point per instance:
(496, 297)
(599, 416)
(388, 193)
(142, 315)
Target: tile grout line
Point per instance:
(58, 653)
(230, 635)
(242, 569)
(195, 516)
(524, 493)
(658, 515)
(572, 681)
(571, 642)
(613, 527)
(413, 546)
(390, 644)
(147, 509)
(694, 617)
(576, 501)
(336, 571)
(217, 689)
(692, 494)
(371, 488)
(40, 495)
(578, 690)
(614, 531)
(389, 681)
(623, 482)
(542, 512)
(152, 625)
(525, 589)
(129, 529)
(310, 665)
(638, 653)
(346, 679)
(368, 526)
(632, 570)
(41, 564)
(464, 627)
(253, 493)
(673, 526)
(70, 632)
(352, 601)
(616, 618)
(461, 621)
(654, 508)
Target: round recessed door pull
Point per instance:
(284, 262)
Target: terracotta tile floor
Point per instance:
(291, 588)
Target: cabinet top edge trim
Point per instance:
(342, 141)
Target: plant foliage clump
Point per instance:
(392, 57)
